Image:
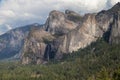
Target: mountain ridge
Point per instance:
(12, 41)
(62, 34)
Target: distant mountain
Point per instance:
(11, 42)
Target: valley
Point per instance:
(68, 46)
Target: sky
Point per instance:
(16, 13)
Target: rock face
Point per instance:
(36, 45)
(57, 24)
(115, 30)
(69, 31)
(115, 26)
(12, 42)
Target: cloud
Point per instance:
(112, 2)
(8, 27)
(22, 12)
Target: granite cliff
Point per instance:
(66, 32)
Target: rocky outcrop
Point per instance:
(115, 26)
(57, 24)
(49, 38)
(86, 33)
(115, 30)
(35, 46)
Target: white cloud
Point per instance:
(8, 26)
(7, 13)
(22, 12)
(114, 1)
